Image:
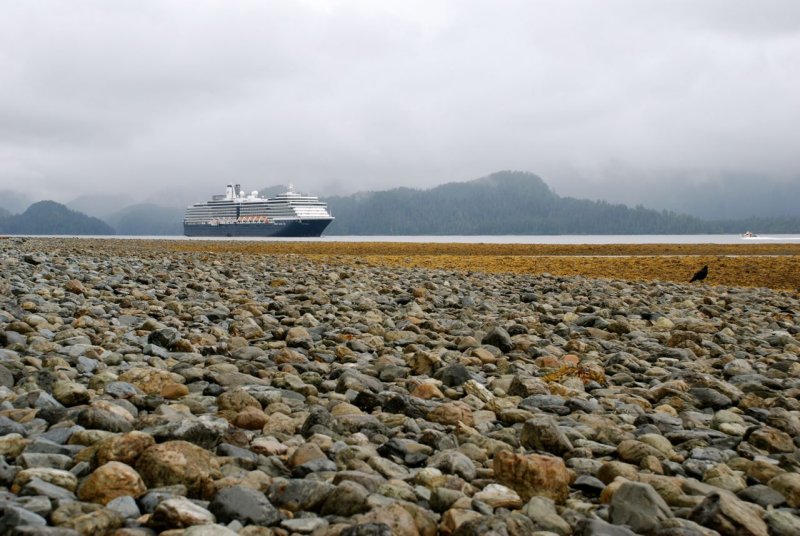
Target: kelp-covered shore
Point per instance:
(774, 266)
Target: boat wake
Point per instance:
(760, 237)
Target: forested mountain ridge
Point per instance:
(512, 202)
(51, 218)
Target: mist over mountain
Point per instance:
(51, 218)
(13, 201)
(271, 191)
(709, 195)
(147, 219)
(733, 197)
(100, 205)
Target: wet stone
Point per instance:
(762, 495)
(248, 506)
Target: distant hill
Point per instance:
(51, 218)
(4, 212)
(148, 219)
(513, 202)
(508, 202)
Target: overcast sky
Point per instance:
(339, 96)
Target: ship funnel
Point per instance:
(229, 192)
(238, 190)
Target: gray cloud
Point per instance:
(337, 96)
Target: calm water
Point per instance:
(511, 239)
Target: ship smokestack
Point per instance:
(238, 190)
(229, 192)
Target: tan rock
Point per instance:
(484, 355)
(664, 408)
(246, 328)
(70, 393)
(499, 496)
(305, 453)
(322, 441)
(173, 391)
(788, 484)
(90, 437)
(149, 380)
(280, 423)
(183, 345)
(609, 471)
(670, 488)
(180, 462)
(250, 418)
(721, 476)
(548, 361)
(237, 400)
(533, 475)
(109, 481)
(74, 286)
(268, 447)
(20, 415)
(651, 464)
(763, 471)
(660, 443)
(455, 517)
(107, 405)
(633, 451)
(427, 391)
(771, 439)
(12, 445)
(343, 408)
(299, 336)
(288, 356)
(258, 480)
(452, 413)
(424, 519)
(399, 520)
(423, 363)
(125, 448)
(513, 415)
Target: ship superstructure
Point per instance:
(237, 213)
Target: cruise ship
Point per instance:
(236, 213)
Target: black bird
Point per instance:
(701, 274)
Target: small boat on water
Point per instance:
(748, 234)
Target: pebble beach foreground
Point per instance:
(168, 392)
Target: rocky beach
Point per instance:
(204, 388)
